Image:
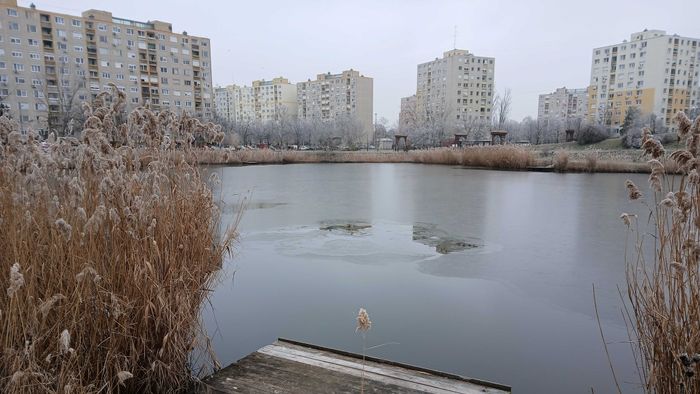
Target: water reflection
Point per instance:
(516, 308)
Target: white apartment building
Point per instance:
(264, 101)
(654, 71)
(224, 104)
(332, 97)
(563, 105)
(48, 59)
(456, 88)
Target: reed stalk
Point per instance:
(663, 289)
(109, 245)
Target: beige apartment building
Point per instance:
(333, 97)
(455, 89)
(264, 101)
(563, 105)
(654, 71)
(50, 60)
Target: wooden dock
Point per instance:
(294, 367)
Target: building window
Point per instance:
(76, 23)
(59, 20)
(11, 12)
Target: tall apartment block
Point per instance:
(234, 103)
(456, 88)
(654, 71)
(563, 105)
(224, 102)
(337, 96)
(264, 101)
(49, 58)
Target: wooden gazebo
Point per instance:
(460, 139)
(570, 135)
(397, 141)
(499, 135)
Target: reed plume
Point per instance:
(109, 244)
(663, 289)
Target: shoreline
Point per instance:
(487, 158)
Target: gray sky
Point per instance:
(538, 45)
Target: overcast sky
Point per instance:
(538, 45)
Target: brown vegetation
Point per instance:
(107, 249)
(499, 157)
(664, 288)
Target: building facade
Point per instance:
(50, 62)
(563, 105)
(336, 97)
(457, 88)
(263, 101)
(654, 71)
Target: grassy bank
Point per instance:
(107, 249)
(502, 157)
(506, 157)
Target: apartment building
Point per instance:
(563, 105)
(333, 97)
(654, 71)
(234, 103)
(263, 101)
(456, 88)
(51, 61)
(224, 104)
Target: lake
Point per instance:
(486, 274)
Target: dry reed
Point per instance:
(664, 289)
(108, 245)
(363, 325)
(560, 161)
(499, 157)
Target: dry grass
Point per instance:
(499, 157)
(506, 157)
(664, 288)
(107, 249)
(561, 161)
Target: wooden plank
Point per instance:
(293, 367)
(397, 376)
(402, 365)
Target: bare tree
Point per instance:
(502, 108)
(473, 128)
(62, 96)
